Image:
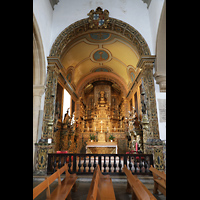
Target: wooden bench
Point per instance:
(101, 187)
(134, 185)
(159, 181)
(63, 190)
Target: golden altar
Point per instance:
(101, 148)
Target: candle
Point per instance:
(136, 146)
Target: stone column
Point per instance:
(50, 101)
(43, 147)
(38, 90)
(152, 143)
(146, 64)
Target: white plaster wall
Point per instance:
(161, 125)
(133, 12)
(155, 10)
(44, 14)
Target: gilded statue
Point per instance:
(102, 99)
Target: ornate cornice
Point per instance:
(55, 62)
(146, 62)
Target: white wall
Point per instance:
(155, 10)
(161, 125)
(133, 12)
(44, 14)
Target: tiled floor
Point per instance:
(83, 185)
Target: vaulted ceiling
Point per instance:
(100, 51)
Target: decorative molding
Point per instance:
(98, 19)
(146, 61)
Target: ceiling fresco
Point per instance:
(100, 51)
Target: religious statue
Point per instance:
(66, 117)
(102, 99)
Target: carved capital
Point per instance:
(161, 80)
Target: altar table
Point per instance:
(101, 147)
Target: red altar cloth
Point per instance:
(63, 152)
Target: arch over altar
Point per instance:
(101, 100)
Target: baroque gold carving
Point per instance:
(98, 19)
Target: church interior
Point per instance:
(99, 79)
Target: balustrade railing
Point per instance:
(113, 130)
(108, 163)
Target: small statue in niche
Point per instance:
(102, 99)
(66, 117)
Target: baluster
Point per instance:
(94, 162)
(145, 166)
(65, 158)
(54, 164)
(125, 160)
(130, 164)
(84, 164)
(104, 164)
(69, 165)
(120, 165)
(89, 165)
(79, 164)
(74, 163)
(140, 165)
(135, 165)
(99, 161)
(115, 165)
(109, 165)
(59, 163)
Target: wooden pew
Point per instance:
(159, 181)
(139, 191)
(101, 187)
(63, 190)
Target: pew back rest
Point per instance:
(40, 188)
(91, 194)
(96, 183)
(136, 186)
(157, 173)
(48, 180)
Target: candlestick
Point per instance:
(136, 146)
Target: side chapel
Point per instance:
(105, 64)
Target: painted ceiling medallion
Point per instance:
(100, 36)
(100, 55)
(98, 19)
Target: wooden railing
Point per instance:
(108, 163)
